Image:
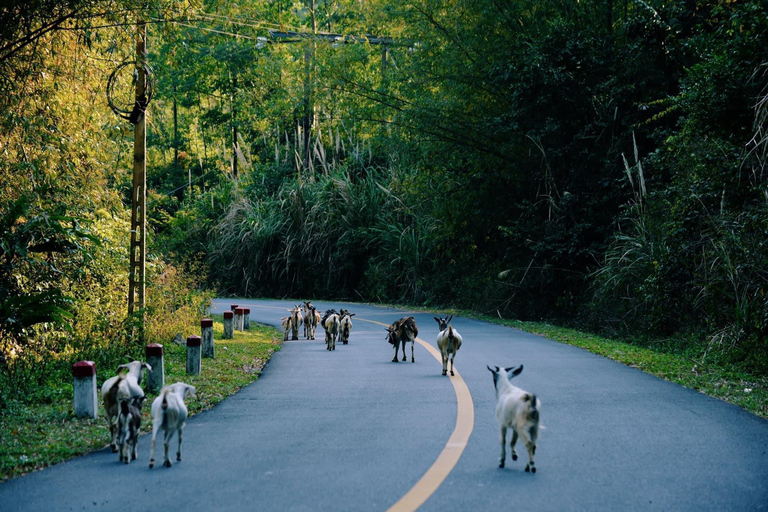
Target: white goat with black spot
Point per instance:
(517, 410)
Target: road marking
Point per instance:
(446, 461)
(449, 457)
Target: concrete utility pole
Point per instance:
(137, 273)
(308, 119)
(233, 108)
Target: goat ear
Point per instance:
(491, 369)
(353, 314)
(436, 319)
(449, 318)
(122, 367)
(146, 366)
(514, 372)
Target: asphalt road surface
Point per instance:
(350, 430)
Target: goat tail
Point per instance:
(533, 412)
(164, 408)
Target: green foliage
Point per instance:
(476, 160)
(36, 434)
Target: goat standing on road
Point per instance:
(331, 326)
(169, 413)
(400, 333)
(448, 341)
(345, 327)
(131, 381)
(518, 410)
(286, 327)
(128, 425)
(311, 319)
(296, 320)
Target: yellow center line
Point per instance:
(453, 449)
(446, 461)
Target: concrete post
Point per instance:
(194, 362)
(86, 400)
(228, 321)
(233, 307)
(206, 326)
(239, 321)
(247, 319)
(155, 359)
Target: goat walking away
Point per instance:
(169, 413)
(131, 381)
(311, 319)
(128, 425)
(448, 341)
(401, 332)
(345, 326)
(286, 322)
(517, 410)
(330, 323)
(296, 320)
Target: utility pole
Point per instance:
(137, 274)
(233, 108)
(308, 119)
(175, 129)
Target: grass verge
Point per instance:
(33, 436)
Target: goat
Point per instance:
(331, 326)
(401, 332)
(296, 319)
(169, 413)
(518, 410)
(109, 394)
(345, 327)
(448, 341)
(286, 326)
(311, 319)
(128, 425)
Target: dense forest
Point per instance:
(596, 163)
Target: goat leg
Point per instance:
(531, 452)
(166, 442)
(503, 436)
(512, 444)
(178, 454)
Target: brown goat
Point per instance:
(400, 333)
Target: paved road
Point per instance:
(350, 430)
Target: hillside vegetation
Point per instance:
(595, 164)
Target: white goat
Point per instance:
(518, 410)
(311, 319)
(296, 321)
(331, 326)
(169, 413)
(345, 327)
(286, 327)
(109, 393)
(448, 341)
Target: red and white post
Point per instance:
(86, 399)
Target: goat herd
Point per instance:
(123, 398)
(516, 410)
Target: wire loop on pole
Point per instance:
(135, 111)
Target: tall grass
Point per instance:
(324, 230)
